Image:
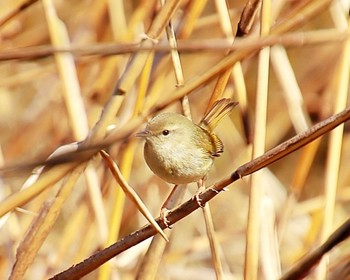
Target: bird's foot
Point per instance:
(163, 217)
(201, 188)
(198, 199)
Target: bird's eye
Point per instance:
(165, 132)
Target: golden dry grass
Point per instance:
(291, 74)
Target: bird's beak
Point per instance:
(143, 133)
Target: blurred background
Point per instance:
(49, 99)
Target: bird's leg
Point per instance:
(163, 216)
(164, 210)
(201, 188)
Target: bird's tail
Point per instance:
(217, 112)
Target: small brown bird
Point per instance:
(179, 151)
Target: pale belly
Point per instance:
(179, 167)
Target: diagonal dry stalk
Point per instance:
(130, 193)
(303, 266)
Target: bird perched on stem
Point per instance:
(179, 151)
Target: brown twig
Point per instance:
(248, 17)
(292, 39)
(301, 269)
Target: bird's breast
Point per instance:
(176, 163)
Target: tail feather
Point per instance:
(218, 111)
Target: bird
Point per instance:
(180, 151)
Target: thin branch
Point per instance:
(247, 18)
(292, 39)
(302, 268)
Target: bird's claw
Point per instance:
(199, 200)
(163, 217)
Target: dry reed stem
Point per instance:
(117, 211)
(300, 15)
(334, 153)
(121, 33)
(118, 24)
(220, 86)
(191, 15)
(27, 76)
(301, 122)
(68, 74)
(78, 220)
(291, 90)
(248, 16)
(77, 115)
(152, 260)
(143, 85)
(66, 66)
(222, 80)
(292, 39)
(256, 190)
(304, 165)
(270, 259)
(213, 242)
(46, 180)
(130, 193)
(175, 57)
(41, 226)
(241, 92)
(302, 268)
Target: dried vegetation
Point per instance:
(72, 69)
